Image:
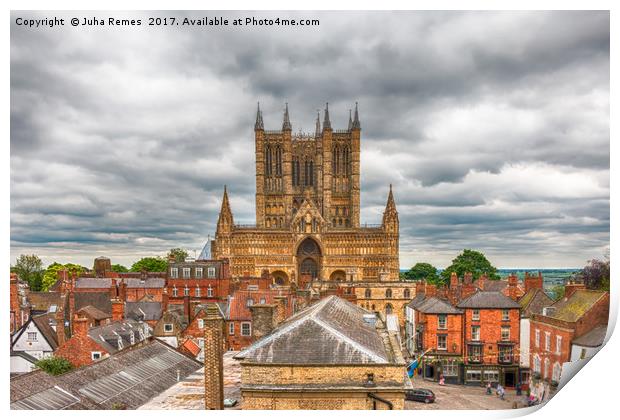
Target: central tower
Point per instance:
(322, 168)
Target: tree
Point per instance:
(557, 292)
(29, 268)
(51, 273)
(54, 365)
(422, 271)
(179, 254)
(118, 268)
(596, 274)
(470, 261)
(150, 264)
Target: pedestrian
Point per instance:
(501, 392)
(489, 390)
(518, 388)
(442, 380)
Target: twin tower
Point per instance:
(323, 167)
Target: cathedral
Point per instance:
(308, 226)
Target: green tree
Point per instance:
(557, 292)
(422, 271)
(150, 264)
(29, 268)
(51, 273)
(179, 254)
(118, 268)
(470, 261)
(54, 365)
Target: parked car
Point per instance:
(420, 394)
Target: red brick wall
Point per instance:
(78, 350)
(454, 332)
(567, 335)
(490, 332)
(237, 341)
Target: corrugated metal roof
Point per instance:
(54, 398)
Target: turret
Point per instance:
(390, 215)
(225, 221)
(259, 119)
(286, 124)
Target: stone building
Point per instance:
(331, 355)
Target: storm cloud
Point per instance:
(493, 128)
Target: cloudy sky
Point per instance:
(492, 127)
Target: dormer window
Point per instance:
(119, 342)
(132, 338)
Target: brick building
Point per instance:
(19, 307)
(553, 333)
(202, 280)
(331, 355)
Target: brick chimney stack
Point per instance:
(186, 308)
(431, 290)
(482, 280)
(113, 289)
(263, 320)
(280, 315)
(80, 326)
(468, 278)
(102, 265)
(118, 310)
(454, 280)
(214, 359)
(164, 300)
(122, 291)
(60, 325)
(533, 281)
(571, 287)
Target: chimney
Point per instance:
(468, 278)
(280, 309)
(113, 290)
(263, 320)
(102, 266)
(164, 300)
(186, 309)
(60, 326)
(80, 326)
(118, 310)
(482, 280)
(431, 290)
(513, 280)
(420, 287)
(214, 358)
(62, 277)
(122, 291)
(571, 287)
(454, 280)
(533, 281)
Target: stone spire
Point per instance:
(326, 124)
(350, 122)
(390, 215)
(259, 119)
(356, 123)
(225, 220)
(286, 125)
(318, 124)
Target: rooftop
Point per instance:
(572, 308)
(488, 300)
(434, 305)
(593, 338)
(533, 302)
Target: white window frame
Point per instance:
(198, 272)
(210, 291)
(231, 328)
(442, 322)
(32, 336)
(557, 372)
(475, 315)
(503, 330)
(166, 326)
(175, 292)
(211, 272)
(537, 338)
(201, 323)
(558, 344)
(445, 346)
(186, 291)
(547, 341)
(249, 302)
(187, 273)
(197, 291)
(174, 272)
(537, 363)
(475, 337)
(249, 329)
(505, 314)
(95, 355)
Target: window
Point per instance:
(548, 341)
(557, 370)
(442, 322)
(558, 344)
(505, 354)
(505, 333)
(473, 376)
(475, 353)
(186, 291)
(32, 336)
(388, 293)
(210, 291)
(246, 329)
(175, 292)
(406, 294)
(505, 315)
(475, 333)
(367, 293)
(583, 354)
(201, 323)
(231, 328)
(198, 272)
(442, 342)
(168, 328)
(491, 376)
(132, 338)
(211, 272)
(249, 302)
(536, 359)
(197, 291)
(263, 301)
(174, 272)
(537, 338)
(95, 355)
(475, 315)
(546, 375)
(187, 272)
(450, 368)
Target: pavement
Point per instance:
(461, 397)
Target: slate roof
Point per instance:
(145, 311)
(94, 313)
(330, 332)
(41, 301)
(576, 306)
(149, 283)
(593, 338)
(495, 285)
(533, 302)
(129, 378)
(131, 282)
(108, 335)
(205, 254)
(434, 305)
(488, 300)
(99, 300)
(44, 324)
(93, 283)
(417, 300)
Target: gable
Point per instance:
(23, 343)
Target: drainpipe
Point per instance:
(376, 398)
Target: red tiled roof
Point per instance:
(191, 347)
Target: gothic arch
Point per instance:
(309, 255)
(280, 278)
(338, 275)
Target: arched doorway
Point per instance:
(309, 258)
(338, 275)
(280, 278)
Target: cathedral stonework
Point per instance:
(308, 212)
